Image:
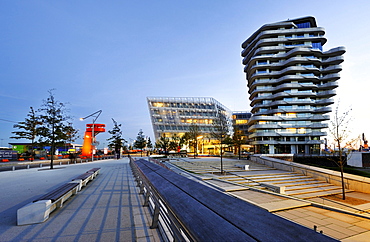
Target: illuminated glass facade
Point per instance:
(291, 83)
(174, 115)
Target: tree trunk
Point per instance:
(341, 165)
(222, 167)
(52, 156)
(239, 152)
(341, 176)
(52, 147)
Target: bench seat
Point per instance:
(39, 210)
(58, 192)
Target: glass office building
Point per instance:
(291, 82)
(174, 115)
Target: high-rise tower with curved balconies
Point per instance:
(291, 82)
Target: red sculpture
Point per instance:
(89, 138)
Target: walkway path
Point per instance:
(107, 209)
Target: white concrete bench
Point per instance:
(39, 210)
(274, 188)
(244, 167)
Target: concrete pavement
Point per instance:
(107, 209)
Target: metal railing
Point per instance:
(163, 218)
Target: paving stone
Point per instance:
(333, 233)
(357, 229)
(317, 221)
(344, 217)
(283, 205)
(341, 229)
(363, 237)
(363, 224)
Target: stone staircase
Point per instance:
(297, 185)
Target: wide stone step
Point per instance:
(248, 183)
(321, 194)
(279, 179)
(311, 190)
(289, 184)
(306, 186)
(289, 181)
(271, 174)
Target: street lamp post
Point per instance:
(96, 115)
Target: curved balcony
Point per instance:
(329, 93)
(328, 86)
(335, 51)
(285, 71)
(282, 87)
(265, 31)
(263, 50)
(330, 77)
(255, 41)
(323, 110)
(281, 95)
(332, 69)
(319, 117)
(327, 101)
(283, 79)
(285, 102)
(284, 126)
(333, 60)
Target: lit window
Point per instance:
(241, 121)
(158, 104)
(291, 115)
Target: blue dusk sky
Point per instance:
(111, 55)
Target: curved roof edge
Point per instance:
(311, 19)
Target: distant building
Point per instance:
(175, 115)
(291, 83)
(26, 147)
(240, 124)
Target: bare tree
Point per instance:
(238, 140)
(221, 132)
(192, 136)
(340, 133)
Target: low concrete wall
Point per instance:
(352, 182)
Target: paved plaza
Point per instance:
(107, 209)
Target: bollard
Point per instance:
(28, 166)
(315, 228)
(13, 168)
(60, 163)
(40, 165)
